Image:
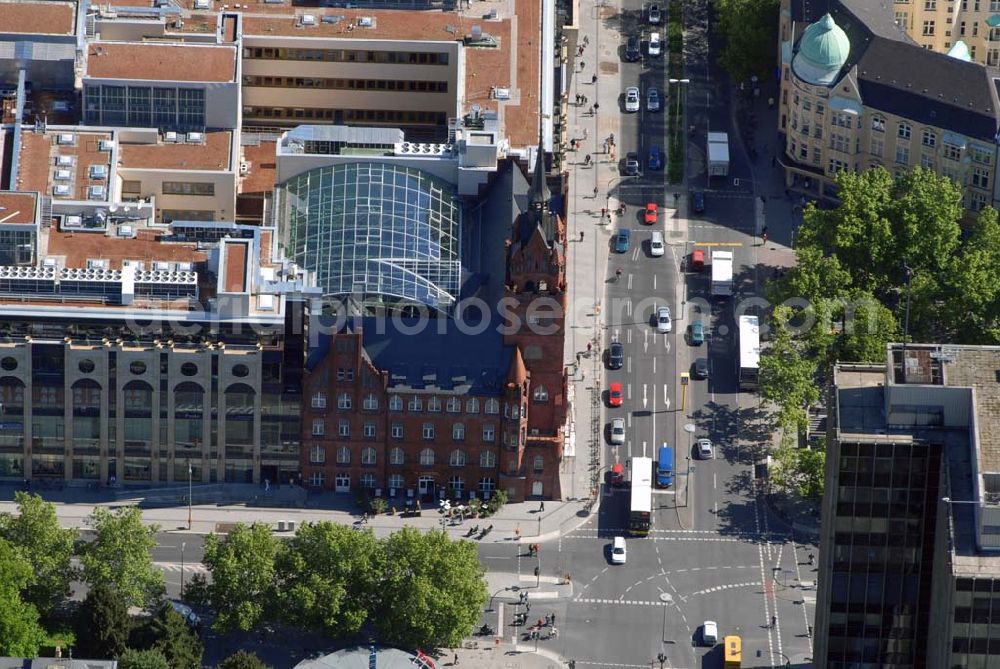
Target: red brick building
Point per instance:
(424, 411)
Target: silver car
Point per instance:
(653, 99)
(631, 99)
(705, 451)
(618, 431)
(663, 323)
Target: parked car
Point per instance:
(655, 45)
(618, 475)
(705, 451)
(697, 333)
(618, 431)
(631, 99)
(632, 164)
(655, 158)
(698, 202)
(622, 240)
(653, 99)
(632, 52)
(650, 214)
(709, 633)
(655, 17)
(616, 355)
(615, 394)
(699, 369)
(697, 260)
(663, 323)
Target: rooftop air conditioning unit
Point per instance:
(98, 171)
(73, 222)
(501, 93)
(195, 137)
(244, 169)
(170, 136)
(106, 144)
(366, 21)
(64, 161)
(161, 266)
(62, 190)
(64, 138)
(185, 266)
(202, 4)
(95, 192)
(64, 175)
(307, 20)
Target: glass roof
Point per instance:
(377, 232)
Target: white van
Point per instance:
(656, 247)
(618, 550)
(655, 45)
(709, 633)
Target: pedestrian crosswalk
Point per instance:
(190, 567)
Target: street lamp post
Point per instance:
(678, 120)
(689, 428)
(183, 545)
(189, 493)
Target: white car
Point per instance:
(631, 99)
(655, 45)
(618, 550)
(618, 431)
(663, 323)
(709, 633)
(705, 451)
(656, 245)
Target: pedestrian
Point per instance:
(579, 50)
(455, 659)
(581, 235)
(812, 558)
(586, 160)
(586, 40)
(611, 138)
(547, 618)
(541, 508)
(774, 621)
(593, 79)
(589, 347)
(597, 106)
(517, 532)
(595, 191)
(553, 619)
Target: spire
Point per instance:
(538, 198)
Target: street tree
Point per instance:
(120, 555)
(868, 327)
(182, 647)
(242, 659)
(35, 530)
(242, 566)
(925, 212)
(142, 659)
(972, 299)
(433, 591)
(750, 28)
(102, 624)
(787, 377)
(328, 578)
(20, 633)
(798, 470)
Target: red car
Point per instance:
(650, 214)
(618, 474)
(615, 395)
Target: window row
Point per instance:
(347, 55)
(384, 116)
(396, 482)
(397, 456)
(428, 430)
(410, 86)
(453, 405)
(345, 401)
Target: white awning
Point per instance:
(955, 140)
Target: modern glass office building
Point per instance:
(377, 233)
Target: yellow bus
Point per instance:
(733, 652)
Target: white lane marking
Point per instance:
(644, 398)
(630, 281)
(654, 282)
(635, 256)
(645, 341)
(628, 306)
(666, 343)
(628, 335)
(628, 366)
(629, 391)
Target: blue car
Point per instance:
(622, 240)
(655, 158)
(697, 333)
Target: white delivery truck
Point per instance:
(718, 154)
(722, 273)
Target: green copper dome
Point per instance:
(823, 50)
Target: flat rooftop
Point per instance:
(17, 208)
(39, 18)
(39, 168)
(212, 154)
(76, 248)
(161, 62)
(263, 174)
(977, 366)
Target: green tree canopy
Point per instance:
(142, 659)
(328, 578)
(787, 377)
(20, 633)
(182, 647)
(433, 591)
(972, 298)
(798, 470)
(102, 624)
(750, 28)
(36, 532)
(243, 576)
(120, 556)
(242, 659)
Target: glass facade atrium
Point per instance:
(379, 233)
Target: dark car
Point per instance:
(699, 369)
(698, 202)
(632, 164)
(632, 52)
(622, 240)
(655, 158)
(655, 17)
(616, 355)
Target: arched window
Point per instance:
(319, 427)
(343, 455)
(472, 406)
(368, 456)
(540, 394)
(457, 458)
(488, 460)
(454, 405)
(397, 456)
(395, 403)
(458, 432)
(493, 405)
(427, 457)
